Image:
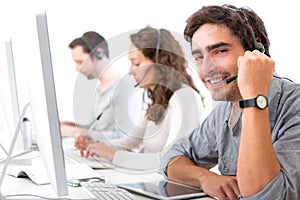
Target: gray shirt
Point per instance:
(120, 107)
(217, 141)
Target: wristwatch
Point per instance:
(261, 102)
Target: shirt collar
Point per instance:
(234, 116)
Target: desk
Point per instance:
(13, 185)
(115, 176)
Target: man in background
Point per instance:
(112, 112)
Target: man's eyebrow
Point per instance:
(196, 51)
(217, 45)
(211, 47)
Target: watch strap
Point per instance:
(248, 103)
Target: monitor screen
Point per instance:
(45, 120)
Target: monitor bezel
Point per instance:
(44, 106)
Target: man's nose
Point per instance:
(208, 64)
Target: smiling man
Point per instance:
(253, 134)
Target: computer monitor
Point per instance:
(12, 81)
(9, 101)
(44, 112)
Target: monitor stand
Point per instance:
(73, 192)
(12, 145)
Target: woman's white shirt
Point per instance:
(143, 148)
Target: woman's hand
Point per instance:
(81, 143)
(102, 150)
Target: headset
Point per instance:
(97, 54)
(156, 56)
(257, 45)
(157, 44)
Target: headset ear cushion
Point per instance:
(260, 47)
(99, 55)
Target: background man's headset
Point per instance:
(96, 53)
(156, 56)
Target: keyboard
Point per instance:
(93, 162)
(105, 191)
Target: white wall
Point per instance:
(69, 19)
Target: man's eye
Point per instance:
(221, 50)
(197, 58)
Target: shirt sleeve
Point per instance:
(132, 141)
(285, 123)
(286, 184)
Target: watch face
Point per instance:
(261, 102)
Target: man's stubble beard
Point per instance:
(226, 93)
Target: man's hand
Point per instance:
(181, 169)
(221, 187)
(255, 74)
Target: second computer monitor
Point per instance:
(45, 113)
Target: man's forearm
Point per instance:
(183, 170)
(257, 162)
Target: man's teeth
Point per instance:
(215, 80)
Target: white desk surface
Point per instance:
(13, 185)
(115, 176)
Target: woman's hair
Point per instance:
(170, 65)
(242, 22)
